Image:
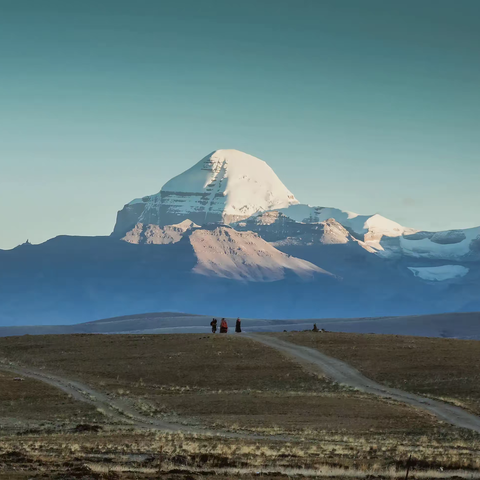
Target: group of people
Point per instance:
(238, 326)
(224, 326)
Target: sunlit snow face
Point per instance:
(225, 186)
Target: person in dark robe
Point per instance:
(238, 326)
(213, 323)
(315, 328)
(223, 326)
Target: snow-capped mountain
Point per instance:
(228, 236)
(390, 239)
(369, 228)
(223, 187)
(232, 187)
(227, 186)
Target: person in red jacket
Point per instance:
(223, 326)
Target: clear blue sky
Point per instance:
(370, 106)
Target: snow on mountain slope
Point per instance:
(439, 274)
(273, 226)
(226, 253)
(390, 238)
(153, 234)
(450, 245)
(225, 186)
(370, 228)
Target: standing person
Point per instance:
(213, 323)
(238, 326)
(315, 328)
(223, 326)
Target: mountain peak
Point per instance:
(246, 183)
(225, 186)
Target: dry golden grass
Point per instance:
(137, 455)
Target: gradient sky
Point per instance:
(370, 106)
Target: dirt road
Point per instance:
(345, 374)
(118, 409)
(123, 411)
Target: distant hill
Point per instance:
(449, 325)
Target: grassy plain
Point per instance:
(141, 455)
(309, 426)
(226, 381)
(27, 403)
(446, 369)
